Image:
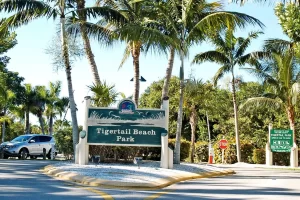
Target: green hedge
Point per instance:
(185, 147)
(123, 153)
(283, 159)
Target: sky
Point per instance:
(28, 58)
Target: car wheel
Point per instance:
(23, 152)
(5, 156)
(49, 154)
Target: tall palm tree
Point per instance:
(87, 46)
(230, 53)
(280, 73)
(192, 21)
(103, 94)
(138, 30)
(26, 11)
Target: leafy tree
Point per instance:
(230, 52)
(54, 50)
(7, 42)
(6, 102)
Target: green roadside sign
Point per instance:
(281, 140)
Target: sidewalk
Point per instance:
(147, 176)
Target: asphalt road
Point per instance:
(23, 180)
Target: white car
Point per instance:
(31, 145)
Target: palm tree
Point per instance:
(28, 104)
(39, 105)
(103, 94)
(29, 10)
(81, 21)
(87, 46)
(138, 30)
(54, 105)
(230, 52)
(192, 21)
(280, 74)
(195, 95)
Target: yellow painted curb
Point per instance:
(157, 184)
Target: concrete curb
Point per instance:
(158, 184)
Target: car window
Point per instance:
(45, 138)
(35, 138)
(21, 138)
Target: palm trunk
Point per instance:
(193, 123)
(135, 52)
(27, 126)
(51, 125)
(86, 43)
(70, 86)
(236, 123)
(180, 113)
(3, 131)
(41, 121)
(291, 117)
(165, 91)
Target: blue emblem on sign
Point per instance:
(127, 106)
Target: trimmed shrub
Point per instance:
(201, 151)
(259, 156)
(247, 153)
(184, 148)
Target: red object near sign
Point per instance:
(223, 144)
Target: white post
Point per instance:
(210, 149)
(294, 156)
(170, 158)
(164, 159)
(85, 127)
(223, 152)
(83, 146)
(269, 154)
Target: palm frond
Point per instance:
(125, 55)
(110, 15)
(220, 73)
(100, 33)
(244, 43)
(212, 56)
(261, 102)
(277, 45)
(221, 19)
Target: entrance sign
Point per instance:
(281, 140)
(126, 125)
